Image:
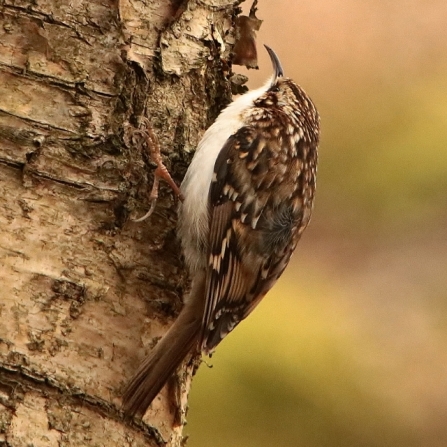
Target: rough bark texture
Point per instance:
(85, 292)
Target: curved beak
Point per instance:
(277, 67)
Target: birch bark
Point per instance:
(85, 292)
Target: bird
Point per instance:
(248, 197)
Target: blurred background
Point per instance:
(350, 347)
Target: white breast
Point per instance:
(193, 213)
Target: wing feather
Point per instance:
(254, 223)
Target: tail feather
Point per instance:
(167, 355)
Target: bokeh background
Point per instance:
(350, 347)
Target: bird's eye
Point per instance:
(275, 89)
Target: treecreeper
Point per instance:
(248, 197)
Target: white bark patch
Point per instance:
(183, 43)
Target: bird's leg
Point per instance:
(161, 172)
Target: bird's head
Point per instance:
(283, 92)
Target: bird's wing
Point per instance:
(256, 217)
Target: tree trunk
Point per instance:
(86, 292)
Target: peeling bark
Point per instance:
(86, 292)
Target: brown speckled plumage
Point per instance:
(261, 199)
(249, 194)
